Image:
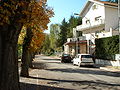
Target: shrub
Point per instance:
(106, 48)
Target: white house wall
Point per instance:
(111, 18)
(66, 49)
(90, 34)
(92, 14)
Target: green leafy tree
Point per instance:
(54, 35)
(46, 49)
(73, 22)
(63, 32)
(115, 1)
(66, 29)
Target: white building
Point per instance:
(99, 20)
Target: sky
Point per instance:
(64, 9)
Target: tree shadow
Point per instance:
(75, 82)
(85, 71)
(39, 65)
(52, 59)
(27, 86)
(42, 65)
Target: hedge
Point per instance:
(106, 48)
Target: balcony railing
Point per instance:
(90, 25)
(76, 39)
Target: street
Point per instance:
(50, 74)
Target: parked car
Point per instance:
(66, 58)
(83, 59)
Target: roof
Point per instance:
(78, 42)
(98, 2)
(107, 3)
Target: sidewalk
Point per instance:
(111, 68)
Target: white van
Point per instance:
(83, 59)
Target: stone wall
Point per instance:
(108, 62)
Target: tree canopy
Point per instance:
(59, 34)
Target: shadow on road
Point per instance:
(97, 83)
(26, 86)
(38, 65)
(85, 71)
(52, 59)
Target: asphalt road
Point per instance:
(50, 73)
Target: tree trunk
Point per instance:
(31, 59)
(26, 54)
(9, 78)
(0, 56)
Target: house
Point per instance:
(99, 20)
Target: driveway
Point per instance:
(50, 74)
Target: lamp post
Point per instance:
(76, 43)
(88, 41)
(75, 36)
(76, 40)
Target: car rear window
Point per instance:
(86, 56)
(66, 55)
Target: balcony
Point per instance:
(90, 25)
(73, 41)
(76, 39)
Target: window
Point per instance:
(98, 18)
(95, 7)
(87, 21)
(86, 56)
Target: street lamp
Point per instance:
(75, 34)
(88, 41)
(76, 37)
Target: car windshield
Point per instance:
(86, 56)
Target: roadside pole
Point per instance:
(76, 49)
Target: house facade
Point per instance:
(99, 20)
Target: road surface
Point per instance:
(50, 73)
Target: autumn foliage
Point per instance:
(37, 41)
(38, 16)
(9, 9)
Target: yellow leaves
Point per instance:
(40, 17)
(39, 14)
(22, 35)
(37, 17)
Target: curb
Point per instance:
(109, 69)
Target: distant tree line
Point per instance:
(58, 35)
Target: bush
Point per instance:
(106, 48)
